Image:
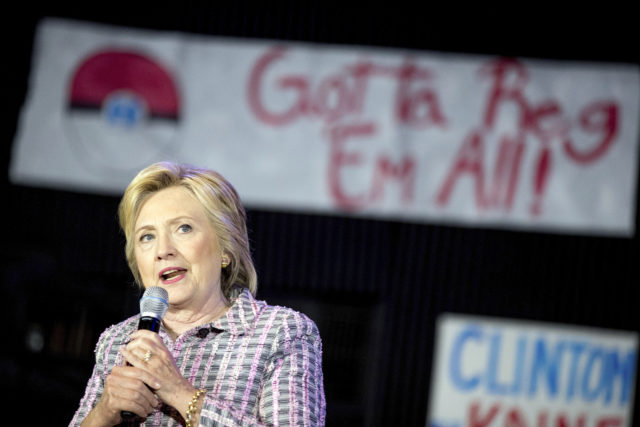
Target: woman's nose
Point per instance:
(165, 248)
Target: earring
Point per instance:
(225, 261)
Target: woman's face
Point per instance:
(177, 249)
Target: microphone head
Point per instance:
(154, 302)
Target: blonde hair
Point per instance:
(221, 204)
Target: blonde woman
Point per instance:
(221, 357)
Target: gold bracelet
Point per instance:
(192, 405)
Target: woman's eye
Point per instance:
(185, 228)
(146, 237)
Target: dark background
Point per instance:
(375, 288)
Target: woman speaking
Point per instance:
(220, 357)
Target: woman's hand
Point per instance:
(124, 390)
(146, 352)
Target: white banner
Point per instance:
(398, 134)
(489, 372)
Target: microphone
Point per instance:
(153, 306)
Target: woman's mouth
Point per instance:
(172, 274)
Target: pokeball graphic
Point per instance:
(123, 111)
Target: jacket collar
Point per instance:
(242, 313)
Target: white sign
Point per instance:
(489, 372)
(419, 136)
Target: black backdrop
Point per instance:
(373, 287)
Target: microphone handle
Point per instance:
(151, 324)
(127, 416)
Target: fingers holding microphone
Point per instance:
(140, 360)
(125, 391)
(147, 352)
